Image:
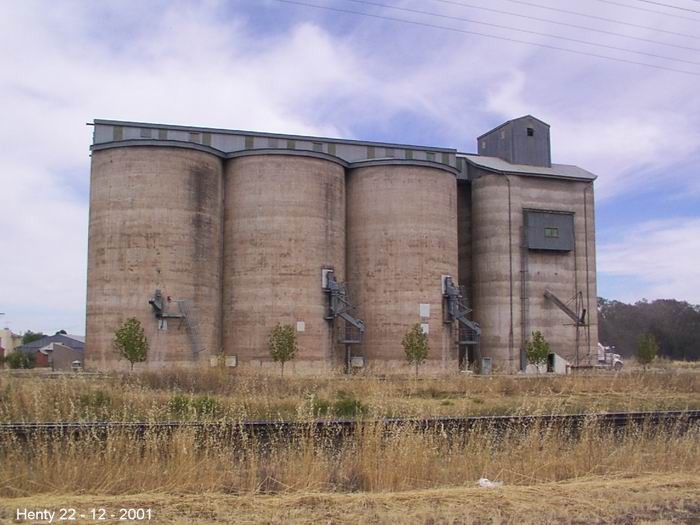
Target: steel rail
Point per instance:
(616, 420)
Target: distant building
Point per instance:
(9, 341)
(56, 350)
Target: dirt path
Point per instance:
(625, 500)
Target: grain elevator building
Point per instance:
(212, 237)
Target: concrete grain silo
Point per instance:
(533, 240)
(285, 223)
(402, 238)
(155, 224)
(211, 237)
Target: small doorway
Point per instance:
(550, 363)
(467, 356)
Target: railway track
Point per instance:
(680, 420)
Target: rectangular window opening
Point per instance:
(551, 233)
(291, 144)
(430, 156)
(331, 149)
(530, 132)
(162, 134)
(248, 143)
(194, 137)
(370, 152)
(318, 146)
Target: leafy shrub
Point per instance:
(283, 344)
(179, 405)
(415, 344)
(321, 407)
(20, 360)
(206, 406)
(537, 349)
(130, 342)
(647, 349)
(347, 406)
(95, 400)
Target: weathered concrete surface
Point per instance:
(464, 231)
(155, 222)
(402, 237)
(285, 222)
(509, 290)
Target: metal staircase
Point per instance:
(339, 306)
(456, 309)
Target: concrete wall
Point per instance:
(285, 222)
(510, 281)
(402, 236)
(62, 357)
(155, 222)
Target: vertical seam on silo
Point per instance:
(510, 260)
(588, 279)
(576, 281)
(222, 254)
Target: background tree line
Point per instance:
(674, 324)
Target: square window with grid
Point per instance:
(551, 233)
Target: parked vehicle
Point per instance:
(607, 358)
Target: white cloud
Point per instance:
(210, 63)
(661, 255)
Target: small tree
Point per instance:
(537, 350)
(130, 342)
(415, 344)
(647, 349)
(283, 344)
(30, 337)
(17, 360)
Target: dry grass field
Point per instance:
(217, 394)
(550, 474)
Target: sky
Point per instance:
(277, 66)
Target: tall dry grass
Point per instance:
(371, 460)
(214, 394)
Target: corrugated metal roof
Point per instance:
(75, 342)
(557, 171)
(508, 122)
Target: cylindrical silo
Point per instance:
(155, 223)
(284, 223)
(402, 238)
(496, 241)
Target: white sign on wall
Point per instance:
(424, 310)
(425, 327)
(301, 326)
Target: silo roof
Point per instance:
(557, 171)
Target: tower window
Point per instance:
(530, 132)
